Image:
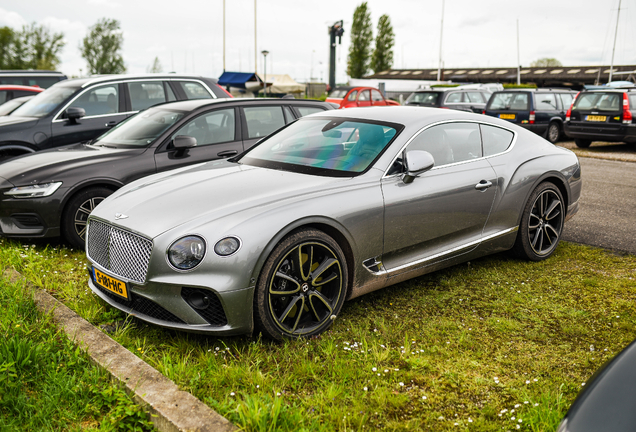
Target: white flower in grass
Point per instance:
(527, 382)
(526, 402)
(518, 427)
(536, 404)
(470, 420)
(365, 389)
(520, 420)
(232, 394)
(424, 397)
(535, 380)
(386, 370)
(374, 369)
(512, 418)
(401, 384)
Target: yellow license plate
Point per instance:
(111, 284)
(507, 116)
(596, 118)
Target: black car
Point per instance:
(40, 78)
(471, 100)
(78, 110)
(51, 193)
(12, 105)
(540, 110)
(602, 115)
(607, 400)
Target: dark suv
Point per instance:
(79, 110)
(540, 110)
(470, 100)
(39, 78)
(602, 115)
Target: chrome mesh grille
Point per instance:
(120, 252)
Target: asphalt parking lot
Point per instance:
(607, 217)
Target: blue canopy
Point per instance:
(237, 79)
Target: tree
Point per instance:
(545, 62)
(156, 66)
(101, 48)
(34, 47)
(361, 39)
(382, 58)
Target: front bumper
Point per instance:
(165, 305)
(31, 218)
(601, 132)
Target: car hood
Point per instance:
(200, 194)
(55, 164)
(12, 123)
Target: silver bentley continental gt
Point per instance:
(327, 208)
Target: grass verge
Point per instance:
(494, 344)
(47, 383)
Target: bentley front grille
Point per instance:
(121, 252)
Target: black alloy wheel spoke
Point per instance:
(322, 268)
(286, 278)
(545, 222)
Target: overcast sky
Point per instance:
(187, 35)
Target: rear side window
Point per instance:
(509, 101)
(262, 121)
(212, 128)
(632, 102)
(3, 96)
(566, 100)
(475, 97)
(377, 96)
(352, 96)
(304, 111)
(545, 102)
(423, 98)
(454, 98)
(364, 95)
(194, 90)
(495, 140)
(146, 94)
(598, 101)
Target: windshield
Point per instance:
(46, 102)
(141, 129)
(323, 146)
(509, 101)
(598, 102)
(338, 93)
(423, 98)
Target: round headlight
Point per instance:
(187, 253)
(227, 246)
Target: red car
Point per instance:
(350, 97)
(9, 91)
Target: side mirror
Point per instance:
(74, 114)
(184, 142)
(417, 162)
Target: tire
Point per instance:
(286, 281)
(76, 214)
(581, 143)
(554, 132)
(541, 223)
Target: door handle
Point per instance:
(110, 124)
(227, 153)
(483, 185)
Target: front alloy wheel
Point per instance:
(75, 216)
(541, 223)
(302, 287)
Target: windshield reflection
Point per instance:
(141, 129)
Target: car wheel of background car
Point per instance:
(582, 143)
(302, 286)
(541, 223)
(75, 215)
(7, 152)
(554, 132)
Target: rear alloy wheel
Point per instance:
(581, 143)
(541, 223)
(75, 216)
(554, 132)
(302, 286)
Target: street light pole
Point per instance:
(265, 52)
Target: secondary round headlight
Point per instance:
(227, 246)
(187, 253)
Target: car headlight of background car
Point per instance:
(187, 252)
(34, 191)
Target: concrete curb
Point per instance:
(171, 409)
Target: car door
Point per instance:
(218, 136)
(260, 121)
(442, 213)
(377, 99)
(364, 98)
(104, 106)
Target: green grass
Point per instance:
(458, 349)
(47, 383)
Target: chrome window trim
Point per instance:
(167, 253)
(85, 88)
(455, 249)
(399, 153)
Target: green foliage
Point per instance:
(522, 85)
(361, 40)
(545, 62)
(34, 47)
(101, 48)
(382, 58)
(155, 67)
